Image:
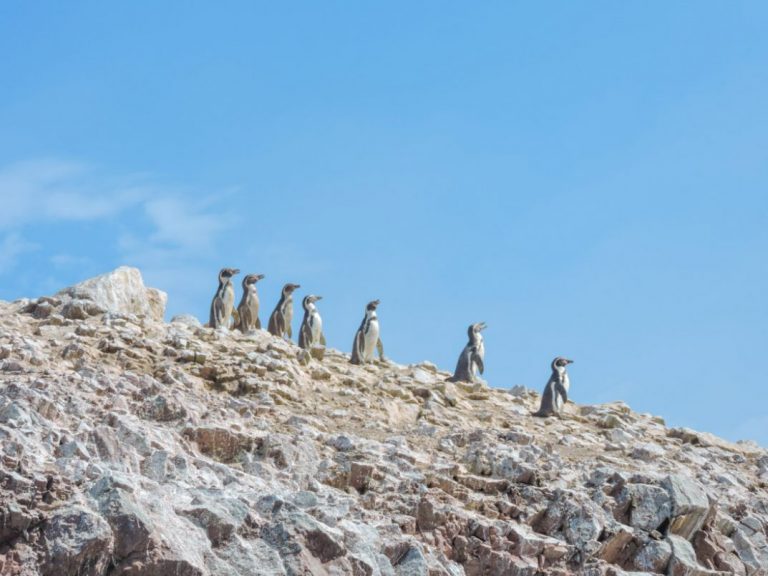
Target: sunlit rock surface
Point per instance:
(129, 446)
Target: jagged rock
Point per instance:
(222, 444)
(131, 527)
(690, 505)
(16, 520)
(683, 560)
(121, 291)
(648, 507)
(77, 541)
(653, 557)
(749, 540)
(162, 409)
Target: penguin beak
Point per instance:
(260, 277)
(235, 271)
(483, 325)
(318, 297)
(568, 361)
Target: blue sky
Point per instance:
(589, 178)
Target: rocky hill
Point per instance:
(131, 446)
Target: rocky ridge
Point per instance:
(131, 446)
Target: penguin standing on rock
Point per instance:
(282, 315)
(311, 331)
(472, 357)
(248, 309)
(556, 391)
(367, 337)
(224, 301)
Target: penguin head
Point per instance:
(475, 328)
(290, 288)
(478, 326)
(372, 305)
(311, 299)
(252, 279)
(560, 363)
(227, 273)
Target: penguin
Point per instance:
(224, 300)
(472, 357)
(282, 315)
(248, 309)
(367, 337)
(556, 391)
(311, 331)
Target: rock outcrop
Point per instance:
(135, 447)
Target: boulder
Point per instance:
(690, 505)
(648, 507)
(121, 291)
(653, 556)
(77, 541)
(683, 560)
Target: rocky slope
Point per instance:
(130, 446)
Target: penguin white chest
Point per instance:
(228, 299)
(316, 324)
(287, 311)
(480, 346)
(253, 300)
(370, 338)
(558, 398)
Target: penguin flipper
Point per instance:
(235, 318)
(218, 313)
(274, 325)
(478, 362)
(305, 337)
(356, 352)
(289, 332)
(322, 339)
(257, 324)
(380, 348)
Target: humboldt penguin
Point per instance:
(472, 357)
(311, 332)
(367, 337)
(224, 300)
(280, 320)
(556, 391)
(248, 309)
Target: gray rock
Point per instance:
(77, 541)
(648, 452)
(683, 560)
(653, 557)
(690, 505)
(648, 506)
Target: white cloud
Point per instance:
(185, 224)
(55, 190)
(164, 229)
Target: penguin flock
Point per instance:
(367, 340)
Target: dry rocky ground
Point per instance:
(131, 446)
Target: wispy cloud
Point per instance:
(56, 190)
(167, 226)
